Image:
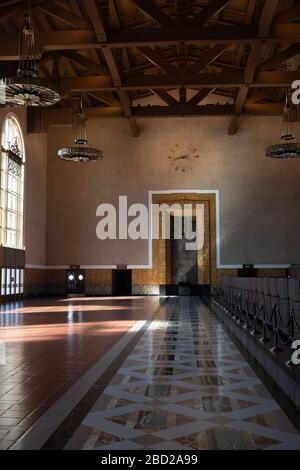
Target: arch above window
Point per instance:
(12, 184)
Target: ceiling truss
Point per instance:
(151, 58)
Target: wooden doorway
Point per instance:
(75, 282)
(122, 282)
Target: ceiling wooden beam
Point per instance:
(267, 17)
(248, 20)
(200, 96)
(264, 27)
(64, 15)
(208, 58)
(116, 23)
(181, 11)
(234, 124)
(166, 97)
(280, 58)
(291, 14)
(183, 110)
(149, 9)
(205, 80)
(212, 9)
(264, 109)
(96, 20)
(105, 97)
(240, 99)
(207, 110)
(55, 116)
(114, 15)
(123, 96)
(189, 35)
(87, 39)
(86, 63)
(135, 130)
(112, 65)
(260, 94)
(215, 34)
(8, 12)
(156, 58)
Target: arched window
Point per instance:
(12, 184)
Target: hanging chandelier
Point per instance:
(81, 152)
(288, 147)
(26, 88)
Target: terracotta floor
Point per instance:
(47, 346)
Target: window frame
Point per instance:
(5, 193)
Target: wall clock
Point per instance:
(182, 157)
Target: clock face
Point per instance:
(182, 157)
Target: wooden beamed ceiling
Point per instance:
(158, 58)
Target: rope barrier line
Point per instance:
(244, 307)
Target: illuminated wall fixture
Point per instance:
(26, 88)
(288, 148)
(81, 152)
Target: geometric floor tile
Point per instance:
(185, 386)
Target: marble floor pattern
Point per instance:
(185, 386)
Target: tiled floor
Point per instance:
(173, 382)
(49, 345)
(185, 386)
